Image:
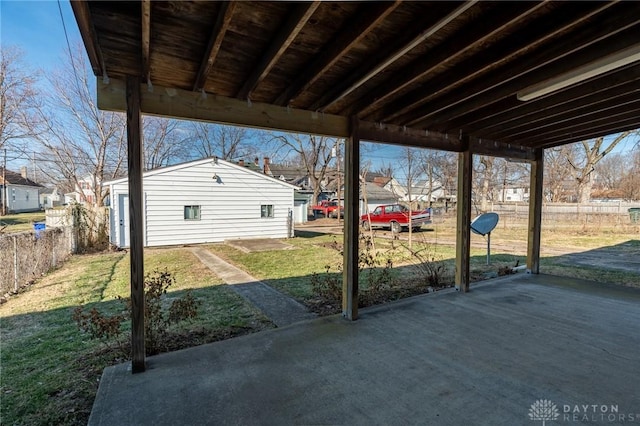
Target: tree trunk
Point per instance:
(486, 180)
(584, 190)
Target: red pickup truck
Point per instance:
(328, 209)
(395, 217)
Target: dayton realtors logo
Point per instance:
(545, 410)
(605, 413)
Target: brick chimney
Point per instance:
(241, 163)
(256, 161)
(266, 168)
(23, 172)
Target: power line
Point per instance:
(66, 36)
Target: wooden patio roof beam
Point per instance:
(476, 34)
(283, 39)
(486, 120)
(399, 135)
(604, 125)
(609, 107)
(590, 134)
(193, 106)
(146, 39)
(215, 41)
(89, 37)
(546, 64)
(189, 105)
(368, 17)
(372, 68)
(493, 148)
(525, 39)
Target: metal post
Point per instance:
(15, 263)
(488, 248)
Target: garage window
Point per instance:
(266, 210)
(191, 212)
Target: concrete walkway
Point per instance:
(279, 308)
(481, 358)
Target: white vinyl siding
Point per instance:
(230, 206)
(23, 198)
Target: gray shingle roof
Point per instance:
(16, 178)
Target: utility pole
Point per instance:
(338, 171)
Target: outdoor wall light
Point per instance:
(595, 68)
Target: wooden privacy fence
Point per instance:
(26, 256)
(90, 226)
(618, 212)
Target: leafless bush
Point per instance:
(158, 315)
(431, 269)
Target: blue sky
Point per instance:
(36, 26)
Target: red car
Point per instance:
(328, 209)
(395, 217)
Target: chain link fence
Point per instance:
(26, 256)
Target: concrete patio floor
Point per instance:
(440, 359)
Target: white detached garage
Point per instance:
(204, 201)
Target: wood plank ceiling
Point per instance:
(448, 67)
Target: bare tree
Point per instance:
(486, 179)
(385, 169)
(81, 140)
(412, 168)
(508, 174)
(434, 168)
(630, 180)
(164, 142)
(364, 170)
(609, 172)
(582, 168)
(226, 142)
(19, 100)
(447, 170)
(557, 176)
(314, 153)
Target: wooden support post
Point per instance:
(136, 246)
(463, 227)
(351, 224)
(535, 213)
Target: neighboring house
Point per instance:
(425, 192)
(204, 201)
(83, 193)
(513, 193)
(255, 166)
(393, 186)
(294, 175)
(17, 192)
(50, 198)
(376, 196)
